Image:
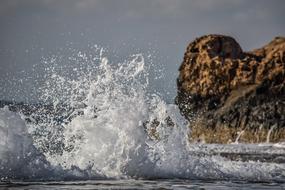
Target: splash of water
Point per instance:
(106, 124)
(269, 133)
(110, 124)
(239, 136)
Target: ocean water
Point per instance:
(107, 130)
(144, 184)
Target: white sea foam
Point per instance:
(18, 156)
(106, 124)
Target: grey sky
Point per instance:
(32, 29)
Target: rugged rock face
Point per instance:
(232, 95)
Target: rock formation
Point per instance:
(230, 95)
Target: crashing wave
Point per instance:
(106, 124)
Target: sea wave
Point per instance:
(106, 124)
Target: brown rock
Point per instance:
(231, 92)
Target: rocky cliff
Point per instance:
(231, 95)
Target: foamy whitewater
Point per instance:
(107, 124)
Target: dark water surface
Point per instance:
(142, 184)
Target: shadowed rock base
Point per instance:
(230, 95)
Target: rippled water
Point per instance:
(144, 184)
